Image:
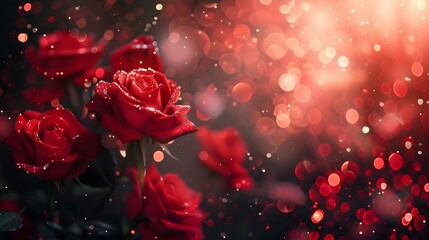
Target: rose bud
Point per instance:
(224, 151)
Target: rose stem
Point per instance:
(74, 101)
(142, 160)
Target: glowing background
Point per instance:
(332, 98)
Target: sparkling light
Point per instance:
(158, 156)
(22, 37)
(159, 6)
(317, 216)
(334, 179)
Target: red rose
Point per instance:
(139, 53)
(141, 103)
(224, 152)
(172, 209)
(64, 54)
(52, 145)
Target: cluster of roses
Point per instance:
(137, 104)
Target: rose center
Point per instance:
(53, 135)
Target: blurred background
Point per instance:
(322, 92)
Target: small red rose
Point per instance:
(171, 207)
(52, 145)
(62, 55)
(140, 104)
(224, 151)
(141, 52)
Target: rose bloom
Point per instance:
(139, 53)
(224, 151)
(141, 103)
(64, 54)
(170, 206)
(52, 145)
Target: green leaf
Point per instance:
(10, 221)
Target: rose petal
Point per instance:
(150, 98)
(139, 53)
(32, 115)
(65, 119)
(18, 147)
(120, 128)
(55, 138)
(167, 129)
(219, 144)
(147, 203)
(89, 145)
(226, 151)
(182, 197)
(50, 171)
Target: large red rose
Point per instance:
(52, 145)
(224, 151)
(63, 54)
(141, 103)
(139, 53)
(171, 207)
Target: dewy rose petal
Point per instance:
(141, 52)
(52, 145)
(224, 151)
(171, 207)
(141, 104)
